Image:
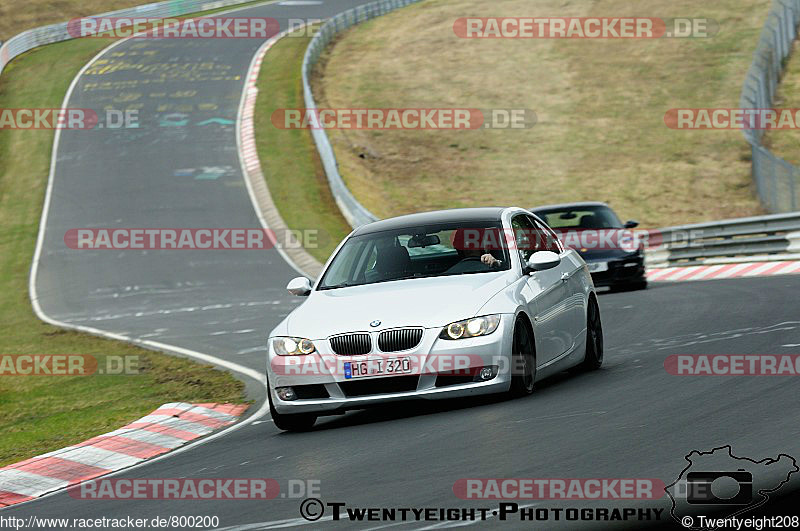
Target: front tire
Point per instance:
(290, 422)
(593, 358)
(523, 360)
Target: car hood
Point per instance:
(427, 302)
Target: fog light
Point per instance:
(286, 393)
(486, 373)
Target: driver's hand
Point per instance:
(489, 260)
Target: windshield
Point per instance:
(582, 217)
(418, 252)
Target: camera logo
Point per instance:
(718, 480)
(715, 488)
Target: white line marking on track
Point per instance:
(263, 410)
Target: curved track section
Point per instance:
(179, 169)
(630, 419)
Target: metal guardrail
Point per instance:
(770, 237)
(33, 38)
(354, 212)
(777, 181)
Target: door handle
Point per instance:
(564, 277)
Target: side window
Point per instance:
(524, 236)
(548, 240)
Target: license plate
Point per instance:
(377, 367)
(596, 267)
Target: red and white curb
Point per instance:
(168, 427)
(711, 272)
(247, 130)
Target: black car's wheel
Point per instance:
(594, 338)
(291, 422)
(523, 360)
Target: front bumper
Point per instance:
(621, 271)
(322, 386)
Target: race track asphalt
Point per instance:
(179, 168)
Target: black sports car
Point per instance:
(612, 251)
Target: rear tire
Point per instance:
(293, 421)
(523, 360)
(593, 358)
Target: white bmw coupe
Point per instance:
(433, 305)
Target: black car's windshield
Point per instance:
(416, 252)
(580, 217)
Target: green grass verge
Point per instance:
(292, 169)
(44, 413)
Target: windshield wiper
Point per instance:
(412, 275)
(341, 285)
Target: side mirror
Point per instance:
(541, 260)
(299, 286)
(631, 223)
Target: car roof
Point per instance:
(479, 214)
(564, 206)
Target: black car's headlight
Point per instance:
(477, 326)
(292, 346)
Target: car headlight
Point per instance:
(292, 346)
(477, 326)
(638, 253)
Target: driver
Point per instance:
(458, 240)
(481, 254)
